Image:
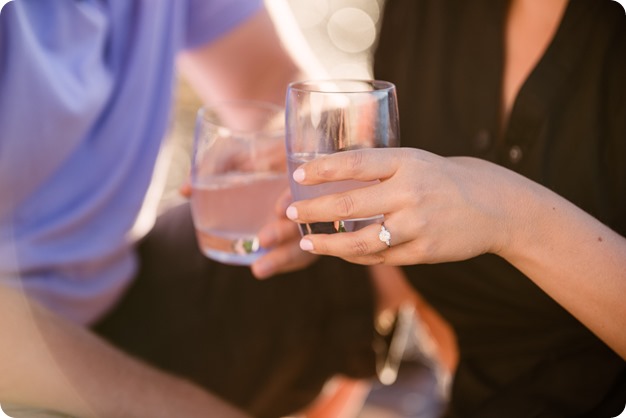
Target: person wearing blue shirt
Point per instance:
(86, 92)
(506, 203)
(86, 88)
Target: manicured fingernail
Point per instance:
(292, 213)
(306, 245)
(298, 175)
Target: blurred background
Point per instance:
(331, 39)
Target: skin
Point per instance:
(448, 209)
(456, 208)
(218, 74)
(49, 363)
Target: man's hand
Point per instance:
(283, 237)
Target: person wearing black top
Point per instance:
(507, 204)
(507, 243)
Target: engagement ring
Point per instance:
(384, 235)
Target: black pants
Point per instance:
(266, 346)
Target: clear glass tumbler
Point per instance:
(328, 116)
(238, 173)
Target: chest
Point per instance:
(449, 61)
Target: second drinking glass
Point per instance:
(328, 116)
(238, 174)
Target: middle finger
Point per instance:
(360, 203)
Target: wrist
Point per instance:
(527, 224)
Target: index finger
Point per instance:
(363, 165)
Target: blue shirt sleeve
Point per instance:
(207, 20)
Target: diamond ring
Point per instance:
(384, 235)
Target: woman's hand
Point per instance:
(437, 209)
(282, 236)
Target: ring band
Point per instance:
(384, 235)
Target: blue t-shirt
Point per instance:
(85, 93)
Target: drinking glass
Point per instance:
(238, 172)
(328, 116)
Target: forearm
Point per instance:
(574, 258)
(48, 363)
(248, 63)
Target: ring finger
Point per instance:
(369, 240)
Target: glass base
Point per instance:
(234, 259)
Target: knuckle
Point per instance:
(376, 259)
(426, 249)
(324, 170)
(360, 248)
(412, 199)
(345, 206)
(354, 161)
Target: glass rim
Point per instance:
(202, 115)
(315, 85)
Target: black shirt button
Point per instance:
(482, 140)
(515, 154)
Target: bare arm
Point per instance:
(249, 62)
(48, 363)
(573, 257)
(449, 209)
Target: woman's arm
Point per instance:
(573, 257)
(450, 209)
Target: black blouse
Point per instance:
(522, 355)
